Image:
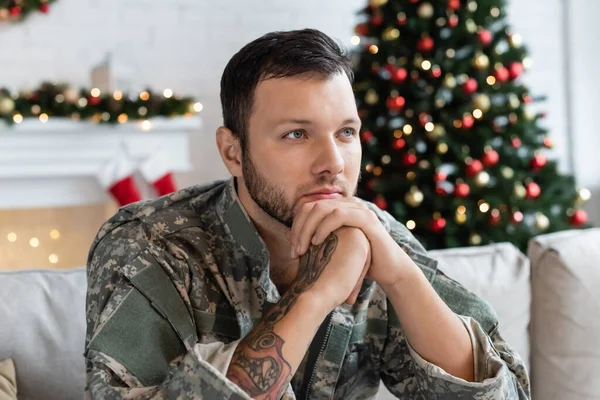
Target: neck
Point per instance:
(283, 269)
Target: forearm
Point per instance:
(431, 328)
(268, 357)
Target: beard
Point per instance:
(271, 197)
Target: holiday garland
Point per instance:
(61, 100)
(17, 10)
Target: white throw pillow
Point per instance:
(565, 324)
(500, 274)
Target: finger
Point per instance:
(319, 212)
(297, 225)
(353, 217)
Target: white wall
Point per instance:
(185, 44)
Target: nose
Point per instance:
(328, 160)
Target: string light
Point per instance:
(118, 95)
(355, 40)
(12, 237)
(426, 65)
(168, 93)
(34, 242)
(122, 118)
(484, 207)
(95, 92)
(144, 96)
(198, 107)
(44, 118)
(407, 129)
(53, 258)
(146, 125)
(17, 118)
(429, 126)
(373, 49)
(477, 113)
(411, 224)
(54, 234)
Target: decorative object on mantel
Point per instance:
(117, 176)
(60, 100)
(112, 75)
(18, 10)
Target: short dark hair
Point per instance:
(279, 54)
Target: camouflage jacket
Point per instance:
(175, 283)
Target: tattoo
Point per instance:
(258, 365)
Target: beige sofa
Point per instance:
(548, 304)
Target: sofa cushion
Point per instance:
(8, 382)
(42, 329)
(499, 274)
(565, 323)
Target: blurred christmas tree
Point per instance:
(451, 144)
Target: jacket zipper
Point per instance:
(321, 337)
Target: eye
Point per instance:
(348, 132)
(294, 135)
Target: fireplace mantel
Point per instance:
(56, 163)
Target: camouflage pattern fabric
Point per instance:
(201, 242)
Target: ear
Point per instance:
(230, 150)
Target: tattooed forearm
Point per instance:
(258, 365)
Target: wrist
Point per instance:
(316, 303)
(406, 282)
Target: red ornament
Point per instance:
(462, 190)
(527, 99)
(501, 74)
(579, 218)
(490, 158)
(440, 176)
(438, 224)
(548, 143)
(362, 29)
(15, 11)
(424, 118)
(399, 75)
(377, 19)
(517, 217)
(381, 202)
(454, 4)
(93, 100)
(425, 44)
(436, 72)
(44, 7)
(538, 161)
(396, 103)
(485, 37)
(409, 159)
(453, 21)
(371, 183)
(467, 121)
(474, 168)
(533, 190)
(367, 136)
(515, 70)
(494, 216)
(399, 144)
(516, 142)
(470, 86)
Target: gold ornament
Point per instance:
(390, 33)
(442, 148)
(583, 196)
(513, 101)
(377, 3)
(471, 25)
(515, 40)
(482, 102)
(482, 179)
(481, 61)
(475, 239)
(371, 97)
(529, 114)
(460, 218)
(507, 172)
(425, 11)
(450, 81)
(7, 105)
(414, 197)
(437, 132)
(520, 191)
(541, 221)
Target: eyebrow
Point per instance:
(308, 122)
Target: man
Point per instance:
(279, 283)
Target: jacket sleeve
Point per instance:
(499, 371)
(133, 349)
